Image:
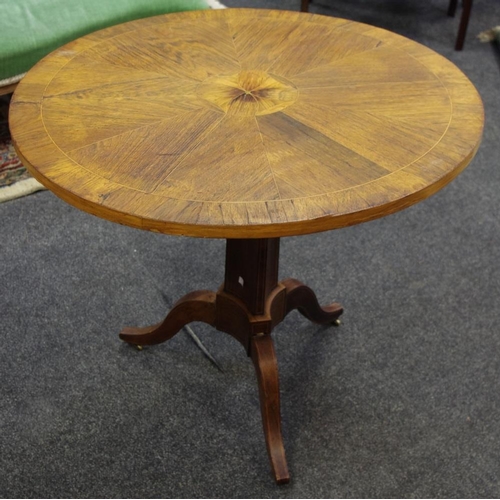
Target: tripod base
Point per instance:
(248, 306)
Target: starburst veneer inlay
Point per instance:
(249, 93)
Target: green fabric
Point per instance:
(30, 29)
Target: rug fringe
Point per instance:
(21, 188)
(215, 4)
(490, 35)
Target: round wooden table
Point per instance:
(246, 125)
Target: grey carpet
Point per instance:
(403, 400)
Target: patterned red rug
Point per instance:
(15, 181)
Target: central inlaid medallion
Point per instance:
(249, 93)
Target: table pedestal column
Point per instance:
(249, 304)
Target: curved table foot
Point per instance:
(266, 368)
(301, 297)
(195, 306)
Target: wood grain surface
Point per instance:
(242, 123)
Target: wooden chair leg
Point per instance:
(304, 6)
(464, 22)
(452, 7)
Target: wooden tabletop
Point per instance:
(242, 123)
